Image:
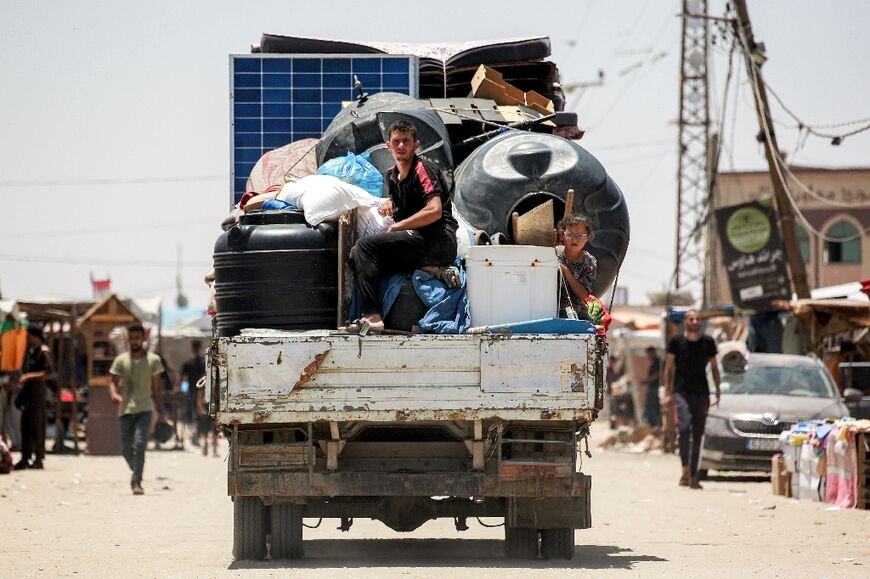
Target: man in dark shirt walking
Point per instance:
(423, 235)
(686, 373)
(31, 400)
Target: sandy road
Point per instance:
(78, 519)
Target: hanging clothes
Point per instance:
(13, 345)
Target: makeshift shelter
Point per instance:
(98, 323)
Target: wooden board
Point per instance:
(536, 226)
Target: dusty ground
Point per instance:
(78, 518)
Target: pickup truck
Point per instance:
(404, 429)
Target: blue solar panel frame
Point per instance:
(279, 98)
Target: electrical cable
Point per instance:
(802, 124)
(778, 165)
(313, 526)
(98, 182)
(131, 262)
(482, 524)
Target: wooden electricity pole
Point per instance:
(753, 55)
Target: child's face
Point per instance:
(575, 237)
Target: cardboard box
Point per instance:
(489, 83)
(780, 478)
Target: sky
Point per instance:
(114, 117)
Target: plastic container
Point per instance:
(519, 170)
(273, 270)
(362, 127)
(511, 283)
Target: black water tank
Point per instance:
(519, 170)
(361, 127)
(273, 270)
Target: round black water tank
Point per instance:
(519, 170)
(361, 127)
(273, 270)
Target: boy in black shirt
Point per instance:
(423, 235)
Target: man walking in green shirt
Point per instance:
(135, 388)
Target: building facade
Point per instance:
(837, 206)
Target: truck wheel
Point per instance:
(287, 532)
(249, 528)
(520, 543)
(557, 543)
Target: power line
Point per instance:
(108, 181)
(778, 162)
(836, 139)
(103, 230)
(635, 145)
(132, 262)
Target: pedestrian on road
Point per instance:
(686, 372)
(136, 374)
(652, 408)
(31, 400)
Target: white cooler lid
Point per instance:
(513, 254)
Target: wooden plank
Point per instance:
(275, 454)
(511, 471)
(535, 227)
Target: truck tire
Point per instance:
(557, 543)
(249, 528)
(520, 543)
(287, 532)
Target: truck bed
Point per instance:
(267, 376)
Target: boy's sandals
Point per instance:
(449, 276)
(363, 327)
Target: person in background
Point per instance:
(13, 346)
(689, 354)
(136, 389)
(31, 400)
(191, 372)
(167, 384)
(579, 267)
(652, 408)
(206, 425)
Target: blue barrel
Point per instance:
(273, 270)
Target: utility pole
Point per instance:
(693, 194)
(754, 56)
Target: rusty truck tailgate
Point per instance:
(270, 376)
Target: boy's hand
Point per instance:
(386, 208)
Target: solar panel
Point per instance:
(279, 98)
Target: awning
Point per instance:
(833, 316)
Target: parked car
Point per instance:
(772, 394)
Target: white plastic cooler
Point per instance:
(511, 283)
